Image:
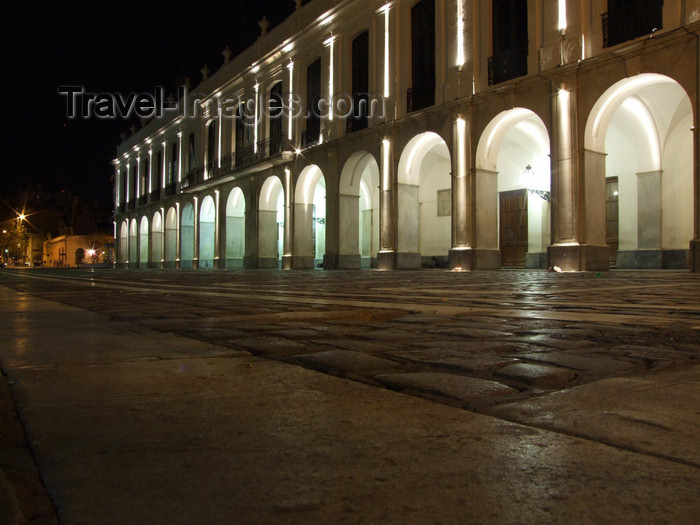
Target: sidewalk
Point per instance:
(133, 426)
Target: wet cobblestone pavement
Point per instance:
(474, 340)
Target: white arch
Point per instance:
(269, 193)
(424, 229)
(207, 210)
(642, 125)
(357, 165)
(609, 102)
(306, 185)
(491, 139)
(414, 153)
(235, 229)
(170, 237)
(156, 237)
(235, 204)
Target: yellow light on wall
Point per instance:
(562, 17)
(329, 43)
(255, 124)
(460, 33)
(386, 150)
(290, 119)
(461, 147)
(386, 51)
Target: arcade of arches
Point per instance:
(507, 189)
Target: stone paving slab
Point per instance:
(346, 362)
(594, 365)
(539, 376)
(460, 388)
(655, 413)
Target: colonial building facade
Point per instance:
(466, 134)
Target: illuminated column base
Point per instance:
(342, 262)
(195, 264)
(217, 265)
(287, 262)
(695, 256)
(461, 258)
(391, 260)
(579, 257)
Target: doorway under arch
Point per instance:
(143, 243)
(170, 238)
(207, 233)
(424, 203)
(639, 159)
(123, 244)
(187, 236)
(133, 244)
(359, 212)
(310, 219)
(235, 229)
(156, 240)
(513, 189)
(271, 224)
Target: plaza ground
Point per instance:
(305, 397)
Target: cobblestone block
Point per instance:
(596, 365)
(539, 376)
(277, 346)
(457, 387)
(346, 362)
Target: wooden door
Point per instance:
(513, 228)
(612, 218)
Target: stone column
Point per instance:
(195, 248)
(348, 235)
(649, 219)
(695, 243)
(487, 253)
(178, 240)
(161, 263)
(217, 229)
(408, 255)
(303, 256)
(461, 254)
(578, 195)
(289, 222)
(386, 258)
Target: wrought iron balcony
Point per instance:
(143, 199)
(170, 189)
(420, 97)
(310, 138)
(631, 21)
(155, 195)
(507, 65)
(131, 205)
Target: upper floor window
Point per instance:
(360, 83)
(313, 99)
(510, 43)
(629, 19)
(191, 156)
(275, 112)
(159, 168)
(421, 94)
(211, 141)
(172, 165)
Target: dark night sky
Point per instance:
(114, 47)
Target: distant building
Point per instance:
(69, 251)
(496, 133)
